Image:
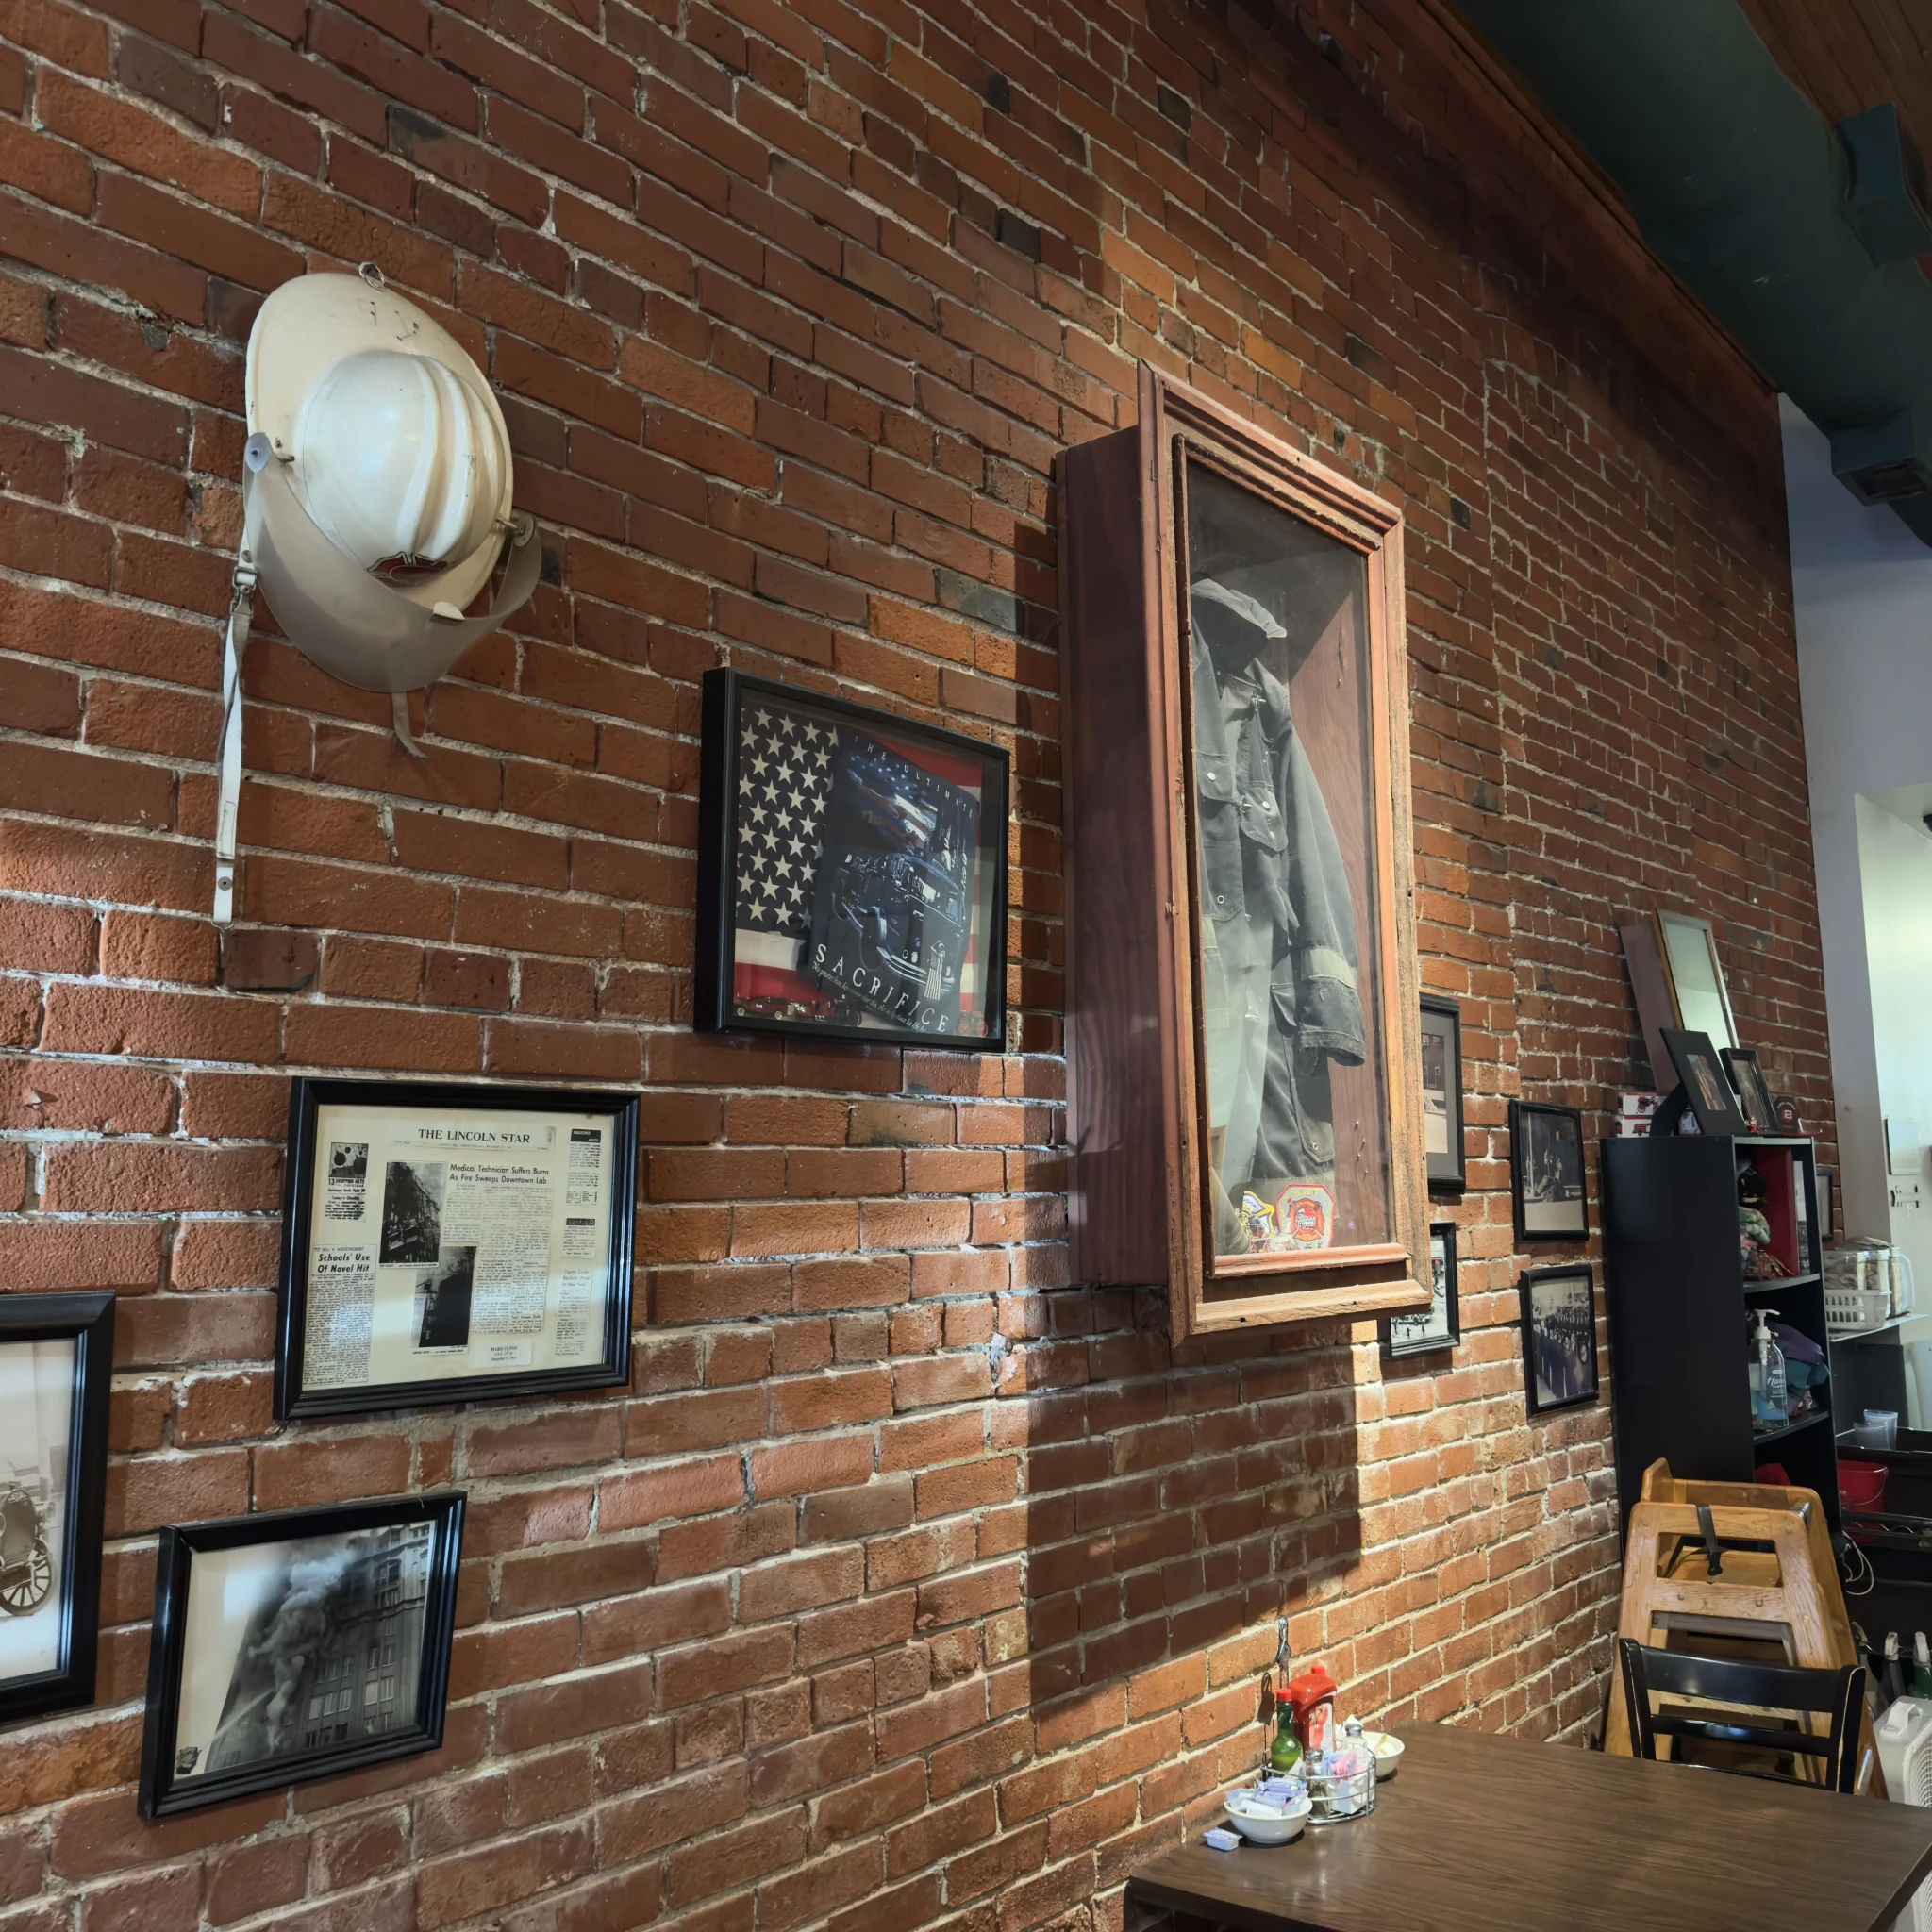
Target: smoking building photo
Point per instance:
(301, 1647)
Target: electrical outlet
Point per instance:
(1905, 1194)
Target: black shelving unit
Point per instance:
(1674, 1285)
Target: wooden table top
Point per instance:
(1477, 1833)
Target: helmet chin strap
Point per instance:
(399, 722)
(228, 760)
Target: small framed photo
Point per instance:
(441, 1243)
(1760, 1109)
(1828, 1220)
(1559, 1338)
(1441, 1325)
(1546, 1173)
(851, 872)
(57, 1354)
(1442, 1092)
(1706, 1086)
(297, 1645)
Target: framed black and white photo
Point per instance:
(57, 1356)
(297, 1645)
(1559, 1338)
(851, 872)
(1706, 1086)
(442, 1242)
(1546, 1171)
(1440, 1325)
(1442, 1092)
(1758, 1108)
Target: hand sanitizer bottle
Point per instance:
(1770, 1403)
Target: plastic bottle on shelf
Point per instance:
(1770, 1400)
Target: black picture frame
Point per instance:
(717, 1007)
(1549, 1186)
(1747, 1081)
(297, 1394)
(1828, 1218)
(360, 1594)
(1705, 1083)
(1430, 1332)
(1553, 1366)
(1443, 1021)
(60, 1572)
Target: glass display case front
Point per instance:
(1284, 853)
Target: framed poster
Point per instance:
(56, 1363)
(296, 1646)
(851, 872)
(1559, 1338)
(446, 1243)
(1546, 1173)
(1442, 1094)
(1441, 1325)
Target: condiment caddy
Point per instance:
(1315, 1774)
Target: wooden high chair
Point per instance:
(1741, 1569)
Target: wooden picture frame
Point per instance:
(1549, 1185)
(362, 1595)
(1440, 1325)
(824, 913)
(1677, 979)
(414, 1214)
(1156, 1180)
(1441, 1043)
(1747, 1080)
(57, 1358)
(1559, 1316)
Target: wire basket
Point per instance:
(1850, 1311)
(1333, 1796)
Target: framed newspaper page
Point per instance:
(446, 1243)
(851, 872)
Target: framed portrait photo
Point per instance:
(296, 1646)
(1441, 1325)
(1706, 1086)
(56, 1364)
(1546, 1173)
(1559, 1338)
(1442, 1094)
(446, 1243)
(851, 872)
(1760, 1109)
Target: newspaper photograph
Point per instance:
(445, 1245)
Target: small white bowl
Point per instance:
(1388, 1748)
(1269, 1827)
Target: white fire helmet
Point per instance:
(376, 484)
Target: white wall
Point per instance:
(1896, 875)
(1862, 585)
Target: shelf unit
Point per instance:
(1673, 1283)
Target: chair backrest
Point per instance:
(1749, 1689)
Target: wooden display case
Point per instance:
(1244, 1053)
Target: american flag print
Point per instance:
(785, 763)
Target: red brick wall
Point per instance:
(911, 1583)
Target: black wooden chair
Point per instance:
(1751, 1690)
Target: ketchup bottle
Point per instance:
(1312, 1696)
